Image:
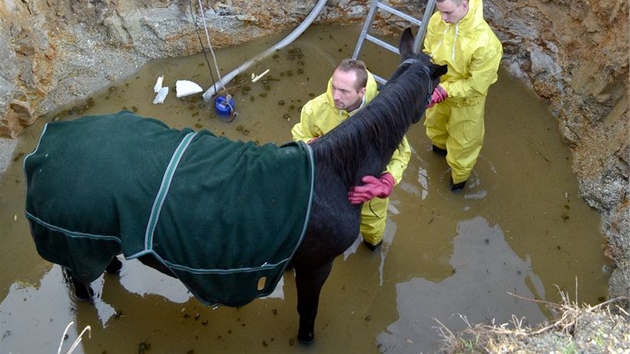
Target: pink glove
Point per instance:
(439, 94)
(373, 187)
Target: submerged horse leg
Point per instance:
(83, 291)
(309, 281)
(114, 266)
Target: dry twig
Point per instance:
(492, 337)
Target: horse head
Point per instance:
(426, 71)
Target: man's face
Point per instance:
(344, 90)
(451, 13)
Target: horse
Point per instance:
(330, 166)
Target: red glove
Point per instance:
(373, 187)
(439, 94)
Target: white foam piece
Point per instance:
(161, 95)
(158, 84)
(186, 88)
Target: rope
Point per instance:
(214, 58)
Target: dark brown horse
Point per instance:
(361, 145)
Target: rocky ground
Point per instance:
(572, 54)
(7, 146)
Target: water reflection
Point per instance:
(485, 270)
(139, 279)
(34, 316)
(479, 185)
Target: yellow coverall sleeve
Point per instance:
(400, 159)
(317, 118)
(306, 129)
(483, 69)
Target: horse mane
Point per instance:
(378, 127)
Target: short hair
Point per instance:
(358, 67)
(457, 2)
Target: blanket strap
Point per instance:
(164, 187)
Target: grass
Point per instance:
(603, 328)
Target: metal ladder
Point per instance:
(365, 31)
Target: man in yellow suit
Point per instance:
(350, 88)
(458, 36)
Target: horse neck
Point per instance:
(364, 143)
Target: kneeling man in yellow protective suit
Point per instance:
(352, 87)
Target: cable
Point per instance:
(228, 97)
(205, 28)
(203, 49)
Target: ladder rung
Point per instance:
(379, 79)
(399, 13)
(376, 5)
(382, 43)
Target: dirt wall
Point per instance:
(572, 54)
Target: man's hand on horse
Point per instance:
(372, 187)
(439, 94)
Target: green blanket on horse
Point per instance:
(224, 216)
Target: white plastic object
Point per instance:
(186, 88)
(158, 84)
(256, 78)
(161, 95)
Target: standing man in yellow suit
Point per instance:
(458, 36)
(352, 87)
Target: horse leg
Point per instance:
(150, 261)
(114, 266)
(309, 281)
(81, 290)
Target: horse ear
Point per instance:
(438, 70)
(406, 43)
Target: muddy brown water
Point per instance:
(519, 231)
